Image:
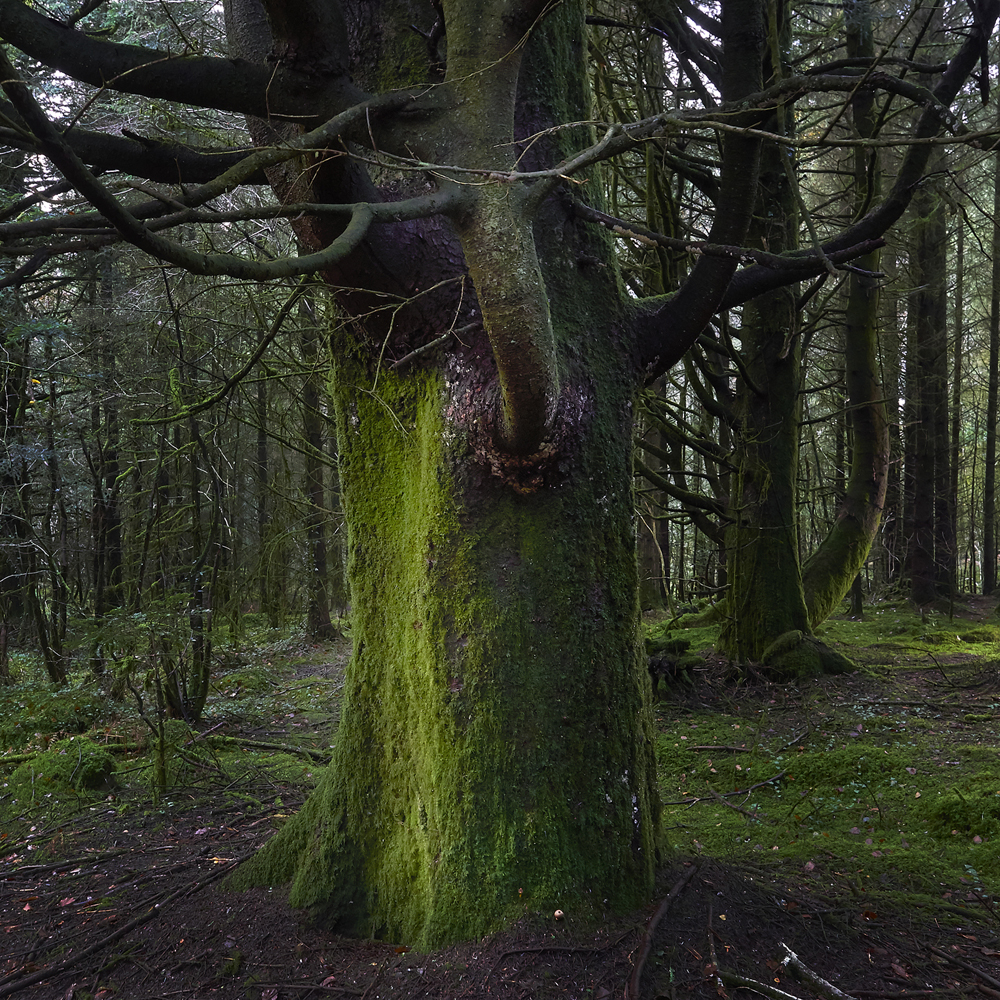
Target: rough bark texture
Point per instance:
(927, 355)
(495, 752)
(992, 397)
(833, 568)
(765, 597)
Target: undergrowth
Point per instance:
(885, 782)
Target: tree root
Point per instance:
(632, 989)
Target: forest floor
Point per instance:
(864, 844)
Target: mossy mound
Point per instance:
(796, 654)
(970, 808)
(982, 634)
(27, 711)
(77, 764)
(667, 645)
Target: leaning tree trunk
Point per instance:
(831, 570)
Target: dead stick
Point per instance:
(745, 812)
(765, 989)
(632, 989)
(737, 791)
(817, 981)
(153, 911)
(965, 965)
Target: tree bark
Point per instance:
(992, 398)
(831, 571)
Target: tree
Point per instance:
(495, 749)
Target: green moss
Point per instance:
(73, 765)
(970, 808)
(856, 800)
(797, 654)
(495, 750)
(30, 711)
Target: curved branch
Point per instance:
(203, 81)
(663, 336)
(132, 229)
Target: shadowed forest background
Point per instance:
(169, 449)
(497, 358)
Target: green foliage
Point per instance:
(75, 765)
(34, 712)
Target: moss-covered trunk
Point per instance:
(765, 598)
(495, 753)
(765, 579)
(830, 571)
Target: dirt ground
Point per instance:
(128, 903)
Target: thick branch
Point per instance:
(664, 336)
(484, 58)
(204, 81)
(153, 159)
(131, 229)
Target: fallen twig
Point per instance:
(713, 957)
(765, 989)
(316, 755)
(816, 981)
(737, 791)
(796, 740)
(153, 911)
(632, 989)
(743, 812)
(985, 977)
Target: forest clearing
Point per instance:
(854, 819)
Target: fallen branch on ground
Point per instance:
(737, 791)
(985, 977)
(791, 960)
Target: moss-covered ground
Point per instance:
(855, 819)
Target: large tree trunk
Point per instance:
(495, 751)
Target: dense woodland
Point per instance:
(173, 452)
(167, 438)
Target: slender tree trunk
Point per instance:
(836, 564)
(929, 346)
(992, 397)
(955, 412)
(766, 598)
(318, 613)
